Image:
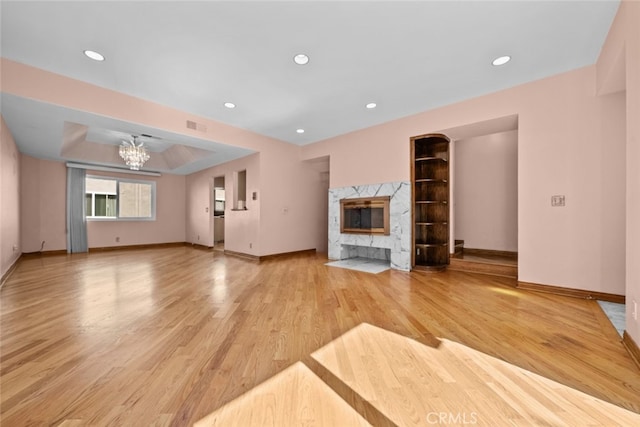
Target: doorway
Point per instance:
(484, 196)
(219, 206)
(317, 173)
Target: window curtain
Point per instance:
(76, 219)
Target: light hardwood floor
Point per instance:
(169, 336)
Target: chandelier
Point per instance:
(134, 155)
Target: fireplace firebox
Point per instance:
(367, 215)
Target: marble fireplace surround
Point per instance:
(396, 247)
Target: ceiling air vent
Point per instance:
(196, 126)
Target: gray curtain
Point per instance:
(76, 220)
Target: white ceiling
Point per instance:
(407, 57)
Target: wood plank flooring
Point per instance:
(416, 385)
(294, 397)
(168, 336)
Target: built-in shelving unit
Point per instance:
(430, 196)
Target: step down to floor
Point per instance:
(458, 248)
(495, 269)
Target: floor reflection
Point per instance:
(115, 294)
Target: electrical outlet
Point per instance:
(117, 239)
(635, 311)
(198, 237)
(557, 200)
(250, 245)
(15, 248)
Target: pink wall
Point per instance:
(619, 66)
(562, 131)
(283, 179)
(241, 227)
(611, 155)
(631, 11)
(485, 189)
(43, 205)
(10, 243)
(562, 125)
(29, 82)
(168, 227)
(290, 201)
(383, 149)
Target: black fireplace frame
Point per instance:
(366, 203)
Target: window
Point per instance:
(101, 196)
(115, 198)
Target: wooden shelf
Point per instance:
(432, 180)
(430, 195)
(444, 202)
(430, 158)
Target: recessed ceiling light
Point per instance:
(301, 59)
(371, 105)
(94, 55)
(230, 105)
(300, 130)
(501, 60)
